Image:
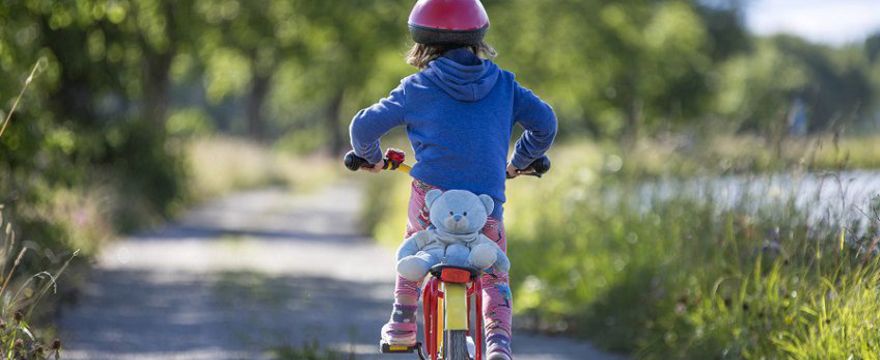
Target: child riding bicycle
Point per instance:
(459, 111)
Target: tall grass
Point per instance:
(20, 298)
(676, 275)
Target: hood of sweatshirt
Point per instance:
(463, 75)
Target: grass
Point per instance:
(20, 301)
(678, 276)
(218, 165)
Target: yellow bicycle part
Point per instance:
(440, 319)
(455, 297)
(403, 168)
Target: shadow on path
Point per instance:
(228, 315)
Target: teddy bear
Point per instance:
(454, 237)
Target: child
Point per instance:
(459, 112)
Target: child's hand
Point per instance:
(512, 171)
(375, 168)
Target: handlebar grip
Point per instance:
(354, 162)
(537, 168)
(541, 165)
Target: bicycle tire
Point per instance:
(456, 345)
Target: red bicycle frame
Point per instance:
(431, 296)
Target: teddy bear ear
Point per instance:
(488, 203)
(431, 196)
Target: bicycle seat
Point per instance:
(454, 274)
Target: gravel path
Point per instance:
(246, 274)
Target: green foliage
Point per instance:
(637, 64)
(188, 123)
(80, 127)
(150, 174)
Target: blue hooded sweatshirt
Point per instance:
(459, 113)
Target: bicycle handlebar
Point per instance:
(394, 160)
(537, 168)
(354, 162)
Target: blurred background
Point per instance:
(713, 191)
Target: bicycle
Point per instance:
(449, 293)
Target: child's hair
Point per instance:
(420, 54)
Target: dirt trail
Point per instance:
(242, 275)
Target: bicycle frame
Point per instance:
(446, 300)
(446, 305)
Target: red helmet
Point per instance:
(448, 22)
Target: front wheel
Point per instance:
(456, 345)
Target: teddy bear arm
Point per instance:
(482, 256)
(485, 240)
(411, 245)
(415, 267)
(502, 262)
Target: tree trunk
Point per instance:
(156, 82)
(156, 85)
(256, 98)
(74, 95)
(633, 123)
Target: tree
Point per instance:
(104, 105)
(759, 87)
(618, 68)
(266, 33)
(348, 42)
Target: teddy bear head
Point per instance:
(458, 211)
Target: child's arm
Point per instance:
(539, 122)
(371, 123)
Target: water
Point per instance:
(840, 196)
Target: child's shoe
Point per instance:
(498, 347)
(401, 329)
